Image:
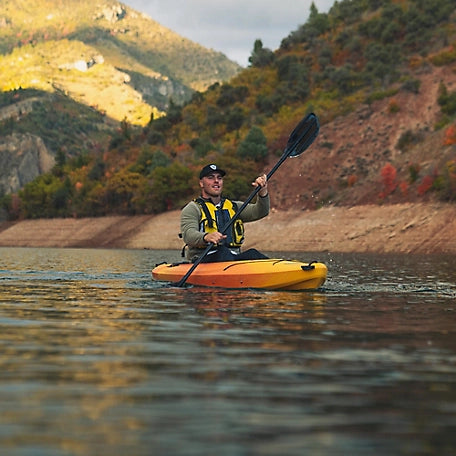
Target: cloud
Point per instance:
(231, 27)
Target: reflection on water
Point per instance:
(96, 358)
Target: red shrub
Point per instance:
(388, 174)
(426, 185)
(404, 188)
(351, 180)
(450, 136)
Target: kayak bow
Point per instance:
(271, 274)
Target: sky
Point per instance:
(231, 26)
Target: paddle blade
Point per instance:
(302, 136)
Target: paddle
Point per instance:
(299, 140)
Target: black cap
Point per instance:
(208, 169)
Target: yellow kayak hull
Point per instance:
(270, 274)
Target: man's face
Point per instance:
(211, 185)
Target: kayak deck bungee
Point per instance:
(270, 274)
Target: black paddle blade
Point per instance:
(302, 136)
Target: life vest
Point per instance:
(214, 218)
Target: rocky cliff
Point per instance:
(23, 157)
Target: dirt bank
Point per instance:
(406, 228)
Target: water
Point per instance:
(98, 359)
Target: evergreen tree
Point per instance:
(254, 146)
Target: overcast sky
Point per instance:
(231, 26)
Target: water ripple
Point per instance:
(97, 358)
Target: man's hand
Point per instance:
(261, 181)
(214, 237)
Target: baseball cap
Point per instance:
(208, 169)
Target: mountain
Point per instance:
(103, 54)
(380, 75)
(72, 70)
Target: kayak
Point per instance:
(270, 274)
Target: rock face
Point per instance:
(23, 157)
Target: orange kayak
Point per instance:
(270, 274)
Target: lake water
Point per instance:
(98, 359)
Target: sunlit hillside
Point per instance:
(103, 54)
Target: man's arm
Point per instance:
(255, 211)
(190, 220)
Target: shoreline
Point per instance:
(415, 228)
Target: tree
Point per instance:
(230, 95)
(261, 56)
(234, 119)
(125, 191)
(254, 146)
(171, 187)
(446, 100)
(318, 22)
(98, 170)
(345, 78)
(148, 160)
(61, 197)
(174, 113)
(46, 196)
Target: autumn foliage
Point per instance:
(389, 182)
(425, 185)
(450, 136)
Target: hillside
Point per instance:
(103, 54)
(379, 75)
(344, 166)
(72, 71)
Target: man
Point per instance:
(203, 218)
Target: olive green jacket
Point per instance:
(191, 218)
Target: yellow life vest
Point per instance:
(214, 218)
